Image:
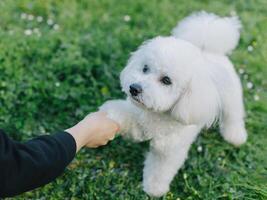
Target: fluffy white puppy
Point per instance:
(176, 86)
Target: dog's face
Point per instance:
(158, 73)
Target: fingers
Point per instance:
(112, 137)
(102, 129)
(102, 116)
(114, 125)
(102, 142)
(101, 113)
(97, 145)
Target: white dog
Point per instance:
(176, 86)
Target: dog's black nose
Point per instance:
(135, 89)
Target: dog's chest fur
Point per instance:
(157, 124)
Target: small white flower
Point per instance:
(57, 84)
(56, 27)
(23, 15)
(241, 71)
(127, 18)
(199, 148)
(233, 13)
(232, 190)
(28, 32)
(42, 129)
(39, 19)
(250, 48)
(249, 85)
(36, 30)
(11, 32)
(256, 97)
(30, 17)
(50, 22)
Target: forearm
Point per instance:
(25, 166)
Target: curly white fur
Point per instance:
(210, 32)
(204, 87)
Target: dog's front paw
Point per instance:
(115, 111)
(112, 108)
(235, 134)
(155, 188)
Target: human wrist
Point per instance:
(79, 137)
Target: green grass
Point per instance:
(49, 82)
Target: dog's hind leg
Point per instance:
(232, 124)
(167, 155)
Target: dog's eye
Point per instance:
(145, 69)
(166, 80)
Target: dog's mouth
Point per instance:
(137, 100)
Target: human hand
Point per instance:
(95, 130)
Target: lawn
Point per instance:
(60, 60)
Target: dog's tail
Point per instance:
(210, 32)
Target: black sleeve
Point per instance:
(25, 166)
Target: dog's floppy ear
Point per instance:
(199, 103)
